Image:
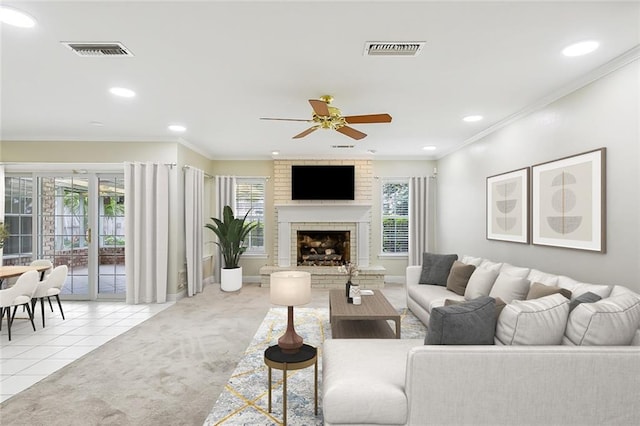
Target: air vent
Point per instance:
(393, 48)
(98, 49)
(342, 146)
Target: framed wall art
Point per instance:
(508, 206)
(568, 200)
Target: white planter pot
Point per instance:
(231, 279)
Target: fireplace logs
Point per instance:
(323, 248)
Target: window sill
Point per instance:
(256, 255)
(393, 255)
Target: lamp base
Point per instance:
(290, 342)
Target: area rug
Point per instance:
(244, 400)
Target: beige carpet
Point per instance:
(169, 370)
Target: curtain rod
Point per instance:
(247, 177)
(207, 175)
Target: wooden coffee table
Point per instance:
(367, 320)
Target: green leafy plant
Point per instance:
(4, 234)
(231, 232)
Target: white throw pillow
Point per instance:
(536, 276)
(578, 289)
(469, 260)
(611, 321)
(493, 266)
(509, 288)
(516, 271)
(480, 283)
(534, 322)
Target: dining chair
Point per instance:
(20, 294)
(43, 262)
(49, 287)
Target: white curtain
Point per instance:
(225, 196)
(421, 217)
(194, 226)
(147, 227)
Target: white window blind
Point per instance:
(250, 194)
(395, 217)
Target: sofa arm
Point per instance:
(510, 385)
(412, 275)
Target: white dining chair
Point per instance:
(43, 262)
(49, 287)
(20, 294)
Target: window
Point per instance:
(250, 198)
(395, 217)
(18, 217)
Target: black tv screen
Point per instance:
(322, 182)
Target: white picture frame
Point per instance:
(508, 206)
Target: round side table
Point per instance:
(305, 357)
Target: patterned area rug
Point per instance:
(244, 400)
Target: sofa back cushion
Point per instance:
(611, 321)
(436, 268)
(579, 288)
(508, 287)
(536, 276)
(480, 283)
(459, 277)
(469, 323)
(538, 290)
(516, 271)
(533, 322)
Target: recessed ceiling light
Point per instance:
(122, 92)
(430, 148)
(16, 18)
(275, 152)
(581, 48)
(472, 118)
(177, 128)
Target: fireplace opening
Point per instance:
(323, 248)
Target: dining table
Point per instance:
(17, 270)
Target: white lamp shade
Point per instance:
(290, 288)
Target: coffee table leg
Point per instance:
(315, 387)
(397, 321)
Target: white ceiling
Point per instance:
(217, 67)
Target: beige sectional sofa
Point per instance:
(577, 381)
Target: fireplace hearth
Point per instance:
(323, 248)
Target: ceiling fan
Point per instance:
(326, 116)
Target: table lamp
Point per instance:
(290, 288)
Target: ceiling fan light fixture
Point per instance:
(580, 48)
(430, 148)
(178, 128)
(16, 18)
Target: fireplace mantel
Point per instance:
(360, 214)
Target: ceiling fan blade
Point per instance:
(305, 133)
(351, 132)
(286, 119)
(319, 107)
(369, 118)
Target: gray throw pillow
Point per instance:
(469, 323)
(587, 297)
(436, 268)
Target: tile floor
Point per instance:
(31, 356)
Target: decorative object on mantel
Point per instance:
(290, 288)
(569, 202)
(351, 270)
(508, 206)
(231, 233)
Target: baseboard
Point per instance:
(174, 297)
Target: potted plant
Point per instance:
(4, 234)
(231, 232)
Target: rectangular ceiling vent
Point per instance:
(393, 48)
(342, 146)
(98, 49)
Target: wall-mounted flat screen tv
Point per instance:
(330, 182)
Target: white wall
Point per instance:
(605, 113)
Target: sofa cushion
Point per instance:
(578, 288)
(538, 290)
(611, 321)
(469, 323)
(619, 290)
(480, 283)
(508, 287)
(426, 295)
(488, 264)
(347, 367)
(533, 322)
(536, 276)
(470, 260)
(587, 297)
(516, 271)
(459, 277)
(436, 268)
